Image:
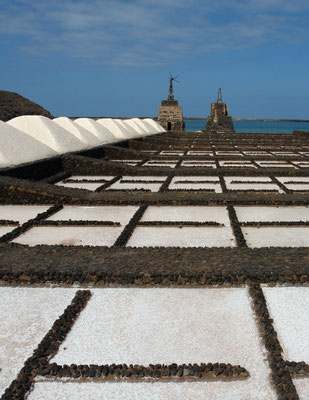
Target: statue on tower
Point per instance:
(171, 91)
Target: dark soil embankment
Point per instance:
(13, 105)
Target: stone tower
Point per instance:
(219, 119)
(170, 113)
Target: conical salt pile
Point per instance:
(17, 147)
(47, 132)
(115, 128)
(104, 134)
(78, 131)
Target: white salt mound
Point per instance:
(155, 124)
(150, 128)
(78, 131)
(17, 147)
(128, 128)
(115, 128)
(101, 132)
(47, 132)
(134, 128)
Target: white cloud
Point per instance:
(149, 32)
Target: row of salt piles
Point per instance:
(34, 137)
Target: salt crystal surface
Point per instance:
(289, 308)
(186, 213)
(154, 187)
(302, 387)
(155, 124)
(195, 185)
(20, 213)
(183, 237)
(6, 229)
(138, 130)
(276, 236)
(153, 390)
(102, 133)
(264, 213)
(70, 236)
(132, 133)
(115, 128)
(151, 129)
(77, 185)
(27, 314)
(142, 125)
(82, 235)
(99, 213)
(78, 131)
(172, 325)
(17, 147)
(48, 132)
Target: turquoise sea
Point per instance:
(254, 126)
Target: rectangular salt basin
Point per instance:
(154, 390)
(27, 314)
(265, 213)
(195, 185)
(91, 177)
(121, 214)
(70, 235)
(289, 308)
(296, 186)
(77, 185)
(81, 235)
(172, 326)
(276, 236)
(134, 186)
(182, 237)
(158, 164)
(21, 213)
(6, 229)
(186, 213)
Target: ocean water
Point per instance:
(254, 126)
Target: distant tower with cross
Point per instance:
(219, 119)
(170, 115)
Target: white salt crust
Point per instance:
(27, 314)
(302, 387)
(81, 235)
(184, 236)
(195, 186)
(276, 236)
(71, 236)
(155, 124)
(6, 229)
(48, 132)
(78, 131)
(133, 127)
(87, 186)
(243, 186)
(92, 177)
(186, 213)
(265, 213)
(17, 147)
(102, 133)
(21, 213)
(296, 179)
(172, 325)
(113, 127)
(289, 308)
(154, 187)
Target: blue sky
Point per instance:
(113, 57)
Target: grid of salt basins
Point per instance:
(158, 342)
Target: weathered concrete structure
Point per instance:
(170, 115)
(219, 118)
